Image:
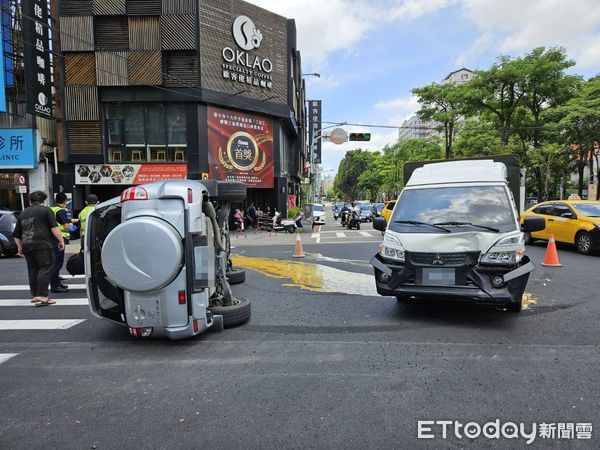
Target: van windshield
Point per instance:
(458, 209)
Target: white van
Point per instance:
(454, 234)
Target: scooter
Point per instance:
(280, 224)
(344, 216)
(354, 221)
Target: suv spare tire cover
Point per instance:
(142, 254)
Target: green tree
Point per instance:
(443, 104)
(498, 91)
(580, 118)
(351, 167)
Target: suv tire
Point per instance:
(231, 191)
(514, 307)
(236, 314)
(583, 243)
(235, 276)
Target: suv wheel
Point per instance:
(231, 191)
(235, 276)
(583, 242)
(514, 307)
(528, 239)
(233, 315)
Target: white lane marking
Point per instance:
(365, 233)
(47, 324)
(59, 302)
(319, 240)
(25, 287)
(340, 235)
(6, 356)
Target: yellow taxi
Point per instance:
(387, 210)
(574, 222)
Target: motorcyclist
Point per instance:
(298, 219)
(354, 215)
(345, 209)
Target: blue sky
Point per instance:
(370, 54)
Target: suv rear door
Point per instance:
(106, 300)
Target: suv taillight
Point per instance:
(134, 193)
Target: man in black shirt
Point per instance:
(36, 234)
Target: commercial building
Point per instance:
(154, 89)
(27, 130)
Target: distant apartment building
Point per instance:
(415, 128)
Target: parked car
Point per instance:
(575, 222)
(366, 215)
(8, 220)
(387, 210)
(157, 259)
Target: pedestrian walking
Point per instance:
(62, 218)
(91, 201)
(36, 234)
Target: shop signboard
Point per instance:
(128, 174)
(17, 148)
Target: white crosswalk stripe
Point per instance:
(365, 233)
(24, 323)
(340, 235)
(59, 302)
(39, 324)
(25, 287)
(6, 356)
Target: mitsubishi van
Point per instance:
(454, 234)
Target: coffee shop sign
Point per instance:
(241, 66)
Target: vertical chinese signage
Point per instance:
(2, 80)
(314, 123)
(37, 57)
(240, 147)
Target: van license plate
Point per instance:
(445, 277)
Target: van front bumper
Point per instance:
(400, 279)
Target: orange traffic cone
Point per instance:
(298, 250)
(551, 259)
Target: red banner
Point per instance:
(240, 147)
(291, 201)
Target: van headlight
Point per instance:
(507, 250)
(391, 248)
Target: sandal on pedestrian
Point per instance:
(36, 300)
(46, 302)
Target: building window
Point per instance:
(146, 132)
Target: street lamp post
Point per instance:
(314, 138)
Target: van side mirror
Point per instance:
(533, 224)
(379, 223)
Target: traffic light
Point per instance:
(360, 137)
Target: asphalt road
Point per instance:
(312, 369)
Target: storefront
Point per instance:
(221, 101)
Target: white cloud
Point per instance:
(481, 44)
(402, 103)
(411, 9)
(520, 26)
(323, 27)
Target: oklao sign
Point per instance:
(240, 65)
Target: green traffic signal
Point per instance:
(360, 137)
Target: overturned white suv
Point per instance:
(157, 259)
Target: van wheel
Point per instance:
(233, 315)
(231, 191)
(583, 242)
(235, 276)
(514, 306)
